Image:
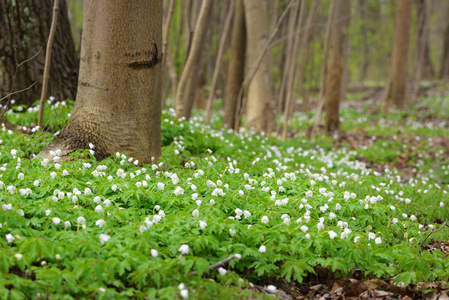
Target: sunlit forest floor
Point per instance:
(357, 215)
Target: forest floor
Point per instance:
(357, 215)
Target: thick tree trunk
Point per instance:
(259, 111)
(236, 71)
(335, 72)
(396, 89)
(118, 107)
(444, 72)
(23, 33)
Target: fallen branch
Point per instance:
(433, 231)
(219, 264)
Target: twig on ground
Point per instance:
(433, 231)
(219, 264)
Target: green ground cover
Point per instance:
(110, 229)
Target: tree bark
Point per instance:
(23, 33)
(118, 107)
(259, 112)
(396, 89)
(184, 101)
(236, 70)
(424, 68)
(336, 66)
(444, 72)
(305, 44)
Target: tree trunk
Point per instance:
(236, 71)
(444, 72)
(363, 8)
(424, 68)
(396, 89)
(24, 30)
(336, 66)
(188, 82)
(118, 107)
(259, 112)
(305, 44)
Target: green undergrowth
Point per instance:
(110, 229)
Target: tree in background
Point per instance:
(236, 69)
(185, 94)
(337, 63)
(396, 88)
(259, 108)
(118, 107)
(24, 31)
(444, 72)
(424, 63)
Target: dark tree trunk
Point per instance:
(24, 31)
(444, 72)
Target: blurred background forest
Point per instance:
(293, 33)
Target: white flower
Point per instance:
(13, 152)
(10, 238)
(264, 220)
(395, 220)
(194, 196)
(181, 286)
(332, 234)
(53, 174)
(161, 214)
(338, 206)
(203, 224)
(87, 191)
(97, 199)
(18, 256)
(309, 194)
(67, 224)
(7, 207)
(36, 183)
(179, 191)
(156, 219)
(212, 201)
(98, 208)
(247, 214)
(21, 176)
(412, 218)
(114, 187)
(222, 271)
(154, 253)
(320, 226)
(184, 249)
(441, 204)
(371, 236)
(107, 202)
(174, 178)
(81, 220)
(231, 231)
(392, 207)
(332, 216)
(11, 189)
(345, 233)
(378, 240)
(307, 236)
(100, 223)
(47, 212)
(262, 249)
(408, 201)
(356, 239)
(304, 228)
(160, 186)
(104, 238)
(184, 293)
(56, 220)
(195, 213)
(198, 202)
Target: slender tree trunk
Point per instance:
(336, 66)
(184, 103)
(118, 107)
(396, 89)
(210, 100)
(444, 72)
(259, 109)
(166, 60)
(291, 71)
(424, 67)
(236, 71)
(363, 7)
(324, 67)
(303, 57)
(289, 55)
(23, 35)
